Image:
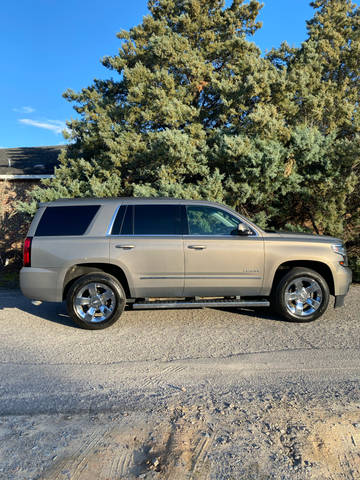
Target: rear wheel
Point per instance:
(95, 301)
(302, 295)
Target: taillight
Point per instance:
(27, 252)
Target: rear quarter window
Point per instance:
(65, 221)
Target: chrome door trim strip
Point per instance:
(162, 278)
(243, 277)
(202, 278)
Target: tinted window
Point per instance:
(128, 223)
(71, 220)
(116, 229)
(211, 221)
(157, 220)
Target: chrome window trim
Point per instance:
(229, 237)
(131, 236)
(230, 212)
(109, 230)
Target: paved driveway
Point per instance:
(48, 364)
(209, 394)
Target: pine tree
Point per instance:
(187, 84)
(323, 77)
(193, 110)
(335, 37)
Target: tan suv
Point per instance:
(101, 254)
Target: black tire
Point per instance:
(104, 284)
(285, 305)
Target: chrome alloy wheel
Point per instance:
(95, 302)
(303, 296)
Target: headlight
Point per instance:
(341, 250)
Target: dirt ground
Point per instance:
(258, 438)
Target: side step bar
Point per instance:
(199, 304)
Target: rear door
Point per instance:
(218, 261)
(146, 242)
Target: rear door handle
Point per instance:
(125, 247)
(197, 247)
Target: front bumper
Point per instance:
(343, 281)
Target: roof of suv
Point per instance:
(92, 201)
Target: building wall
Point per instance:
(13, 225)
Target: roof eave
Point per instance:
(25, 177)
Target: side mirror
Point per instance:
(243, 230)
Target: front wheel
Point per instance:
(95, 301)
(302, 295)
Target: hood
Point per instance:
(299, 236)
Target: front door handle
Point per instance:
(197, 247)
(125, 247)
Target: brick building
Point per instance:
(20, 170)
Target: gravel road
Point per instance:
(193, 394)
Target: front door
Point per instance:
(219, 261)
(148, 246)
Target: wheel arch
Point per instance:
(78, 270)
(322, 268)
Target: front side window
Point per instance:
(203, 220)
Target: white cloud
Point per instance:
(24, 110)
(56, 126)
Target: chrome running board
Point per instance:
(158, 304)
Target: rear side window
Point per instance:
(63, 221)
(157, 220)
(148, 220)
(128, 223)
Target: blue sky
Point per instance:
(51, 45)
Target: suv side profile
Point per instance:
(103, 254)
